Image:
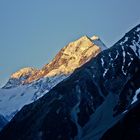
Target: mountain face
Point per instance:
(29, 84)
(3, 122)
(89, 102)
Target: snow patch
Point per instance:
(138, 29)
(106, 70)
(135, 96)
(102, 61)
(125, 111)
(131, 59)
(126, 39)
(123, 61)
(116, 55)
(110, 57)
(136, 47)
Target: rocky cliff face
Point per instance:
(89, 102)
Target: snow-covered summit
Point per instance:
(72, 56)
(97, 41)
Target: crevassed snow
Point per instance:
(12, 100)
(135, 96)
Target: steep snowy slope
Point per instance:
(28, 84)
(13, 99)
(89, 102)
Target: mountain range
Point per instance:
(97, 98)
(29, 84)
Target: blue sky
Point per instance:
(33, 31)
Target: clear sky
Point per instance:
(33, 31)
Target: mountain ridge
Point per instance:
(84, 43)
(86, 48)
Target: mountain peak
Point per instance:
(97, 41)
(72, 56)
(83, 42)
(23, 72)
(20, 76)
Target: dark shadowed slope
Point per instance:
(128, 128)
